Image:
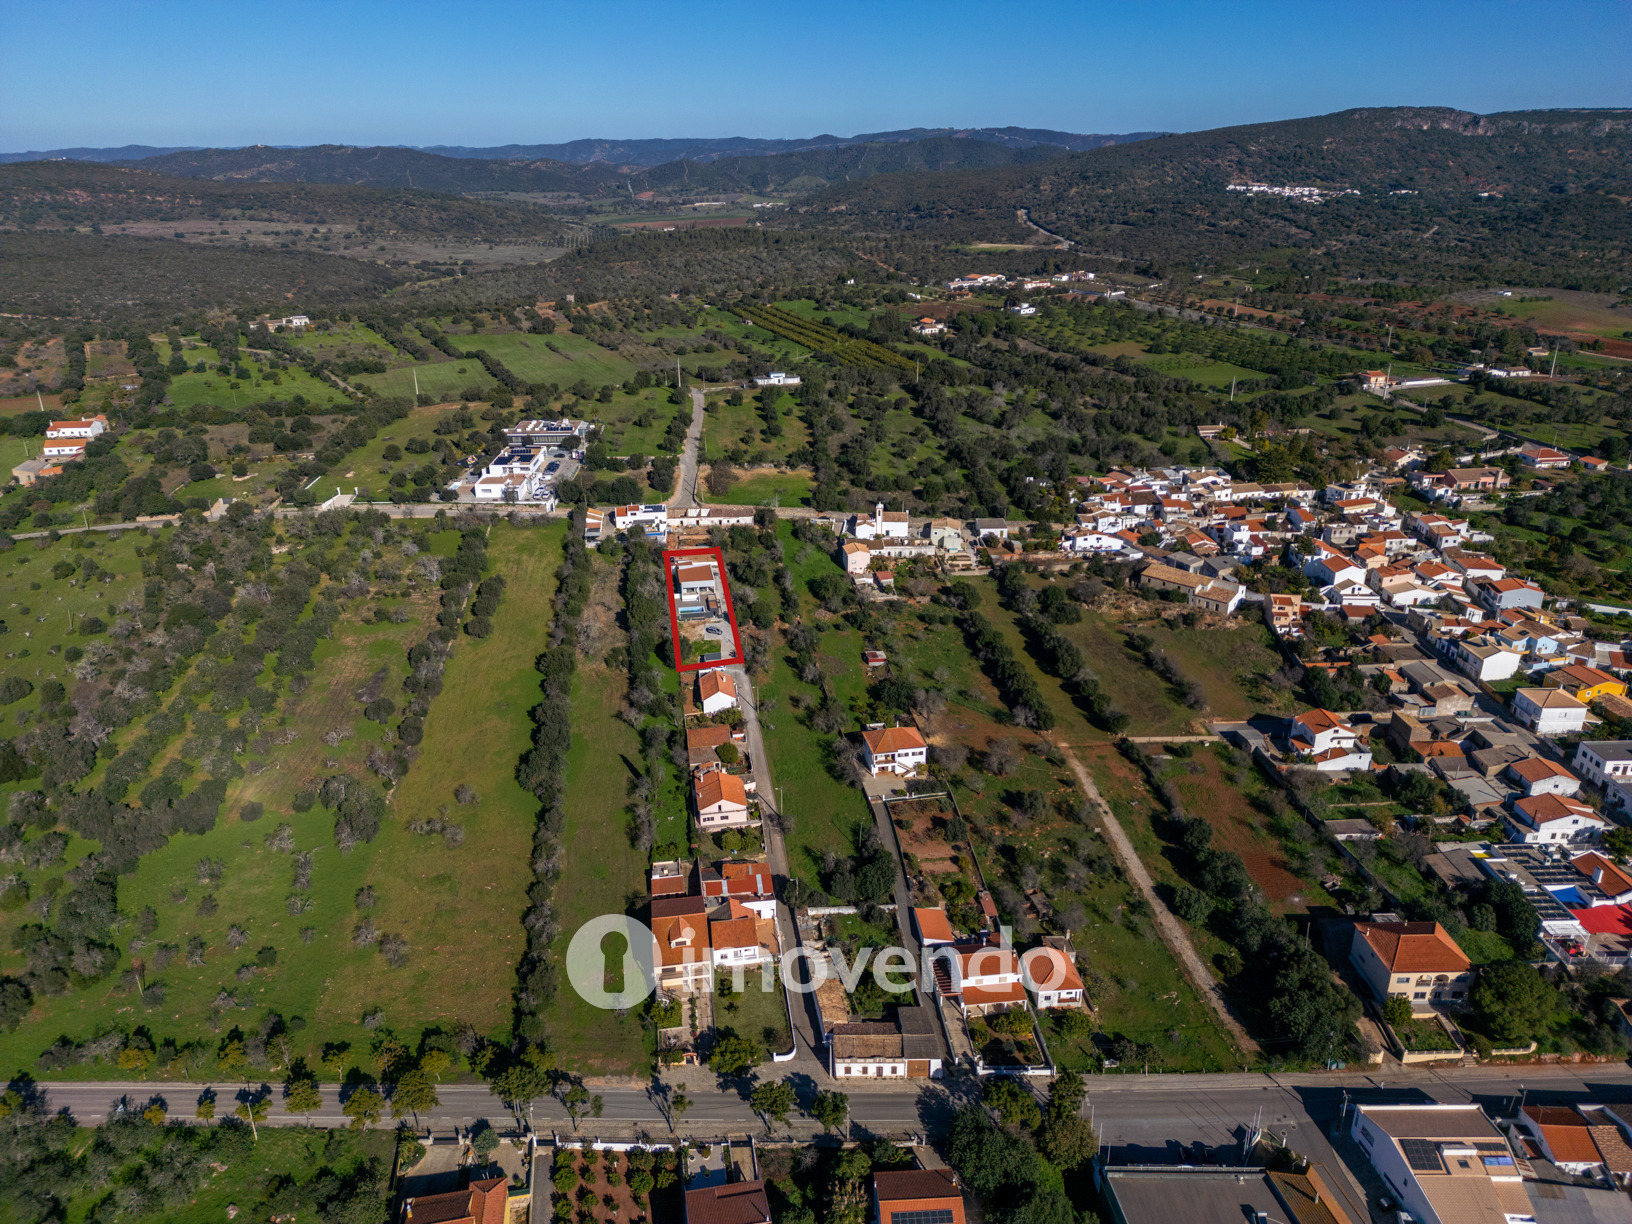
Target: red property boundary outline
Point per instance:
(671, 554)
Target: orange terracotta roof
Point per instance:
(1535, 769)
(893, 739)
(1319, 720)
(715, 683)
(1542, 808)
(747, 878)
(681, 940)
(734, 933)
(1050, 969)
(985, 996)
(986, 960)
(733, 1203)
(1602, 872)
(1414, 947)
(718, 787)
(1565, 1132)
(707, 737)
(1584, 676)
(932, 924)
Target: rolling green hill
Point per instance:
(800, 170)
(58, 195)
(1507, 195)
(380, 167)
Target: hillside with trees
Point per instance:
(1533, 197)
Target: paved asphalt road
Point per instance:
(1131, 1111)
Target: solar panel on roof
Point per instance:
(938, 1215)
(1422, 1155)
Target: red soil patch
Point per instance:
(1235, 827)
(27, 403)
(1250, 311)
(925, 834)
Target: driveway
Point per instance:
(686, 495)
(806, 1029)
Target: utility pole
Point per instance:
(1554, 369)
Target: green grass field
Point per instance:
(838, 316)
(740, 429)
(296, 1152)
(210, 387)
(755, 1012)
(605, 873)
(620, 418)
(763, 489)
(827, 812)
(1570, 313)
(1198, 369)
(346, 339)
(43, 614)
(459, 908)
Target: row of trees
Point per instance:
(1301, 1012)
(542, 770)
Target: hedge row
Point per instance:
(1015, 683)
(542, 770)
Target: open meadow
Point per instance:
(259, 913)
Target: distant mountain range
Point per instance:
(1490, 197)
(658, 152)
(614, 152)
(793, 172)
(131, 152)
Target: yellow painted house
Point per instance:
(1585, 684)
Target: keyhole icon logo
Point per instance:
(609, 962)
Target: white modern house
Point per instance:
(1482, 659)
(1602, 762)
(716, 691)
(1446, 1164)
(896, 750)
(722, 800)
(1553, 818)
(1050, 975)
(980, 978)
(84, 428)
(776, 378)
(1549, 711)
(564, 434)
(1332, 743)
(1539, 776)
(695, 578)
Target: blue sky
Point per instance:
(74, 72)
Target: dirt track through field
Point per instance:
(1173, 933)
